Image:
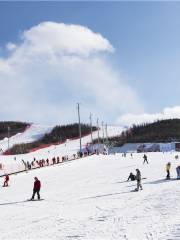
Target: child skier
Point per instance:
(6, 180)
(131, 177)
(168, 166)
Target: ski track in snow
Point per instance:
(90, 199)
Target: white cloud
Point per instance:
(167, 113)
(54, 67)
(10, 46)
(65, 39)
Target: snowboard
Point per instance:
(41, 199)
(135, 190)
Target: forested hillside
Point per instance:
(11, 128)
(159, 131)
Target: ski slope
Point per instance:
(33, 133)
(90, 199)
(68, 148)
(36, 131)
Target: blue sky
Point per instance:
(146, 41)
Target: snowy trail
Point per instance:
(90, 199)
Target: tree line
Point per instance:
(159, 131)
(14, 128)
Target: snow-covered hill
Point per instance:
(33, 133)
(90, 199)
(13, 163)
(71, 146)
(36, 131)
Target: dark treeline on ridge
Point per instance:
(159, 131)
(59, 134)
(62, 133)
(14, 128)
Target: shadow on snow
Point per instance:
(159, 181)
(105, 195)
(11, 203)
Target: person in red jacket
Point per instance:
(36, 188)
(6, 180)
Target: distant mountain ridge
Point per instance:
(159, 131)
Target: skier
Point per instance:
(132, 177)
(138, 178)
(168, 166)
(47, 161)
(145, 159)
(6, 180)
(36, 189)
(178, 172)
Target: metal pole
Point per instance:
(98, 129)
(103, 131)
(8, 128)
(90, 117)
(107, 142)
(106, 135)
(79, 120)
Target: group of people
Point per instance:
(36, 187)
(136, 177)
(45, 162)
(40, 163)
(168, 167)
(55, 160)
(132, 177)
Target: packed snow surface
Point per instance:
(90, 199)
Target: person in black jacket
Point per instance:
(145, 159)
(6, 180)
(36, 188)
(131, 177)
